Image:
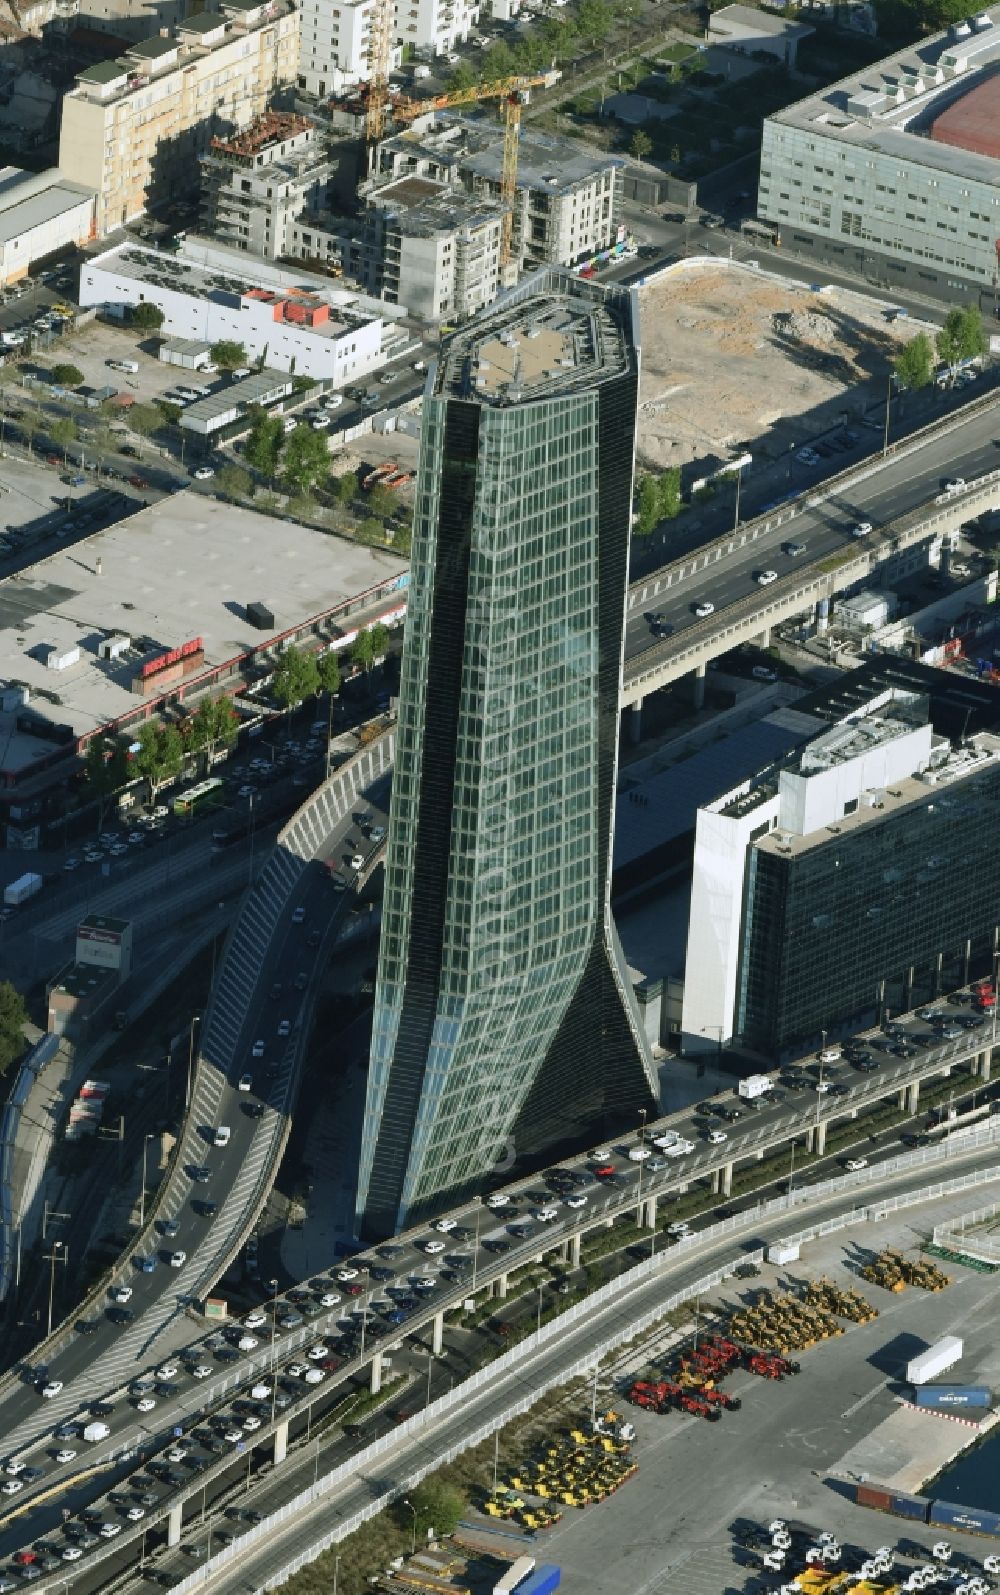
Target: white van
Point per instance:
(131, 366)
(221, 1136)
(764, 673)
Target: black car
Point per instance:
(200, 1173)
(103, 1409)
(87, 1326)
(970, 1021)
(227, 1354)
(205, 1209)
(120, 1315)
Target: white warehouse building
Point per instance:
(295, 322)
(40, 214)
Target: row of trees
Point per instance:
(963, 337)
(13, 1018)
(300, 674)
(659, 500)
(589, 26)
(162, 749)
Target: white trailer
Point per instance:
(20, 890)
(943, 1354)
(755, 1085)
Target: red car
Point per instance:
(137, 481)
(330, 1363)
(604, 1170)
(354, 1290)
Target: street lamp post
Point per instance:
(541, 1284)
(888, 402)
(413, 1542)
(58, 1254)
(336, 1574)
(195, 1020)
(272, 1286)
(739, 480)
(142, 1189)
(475, 1253)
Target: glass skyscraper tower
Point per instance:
(504, 1023)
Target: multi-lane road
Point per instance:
(902, 484)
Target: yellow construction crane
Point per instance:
(513, 93)
(379, 63)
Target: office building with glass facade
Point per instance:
(858, 876)
(504, 1024)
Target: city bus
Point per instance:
(203, 796)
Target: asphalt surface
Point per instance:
(900, 486)
(379, 1293)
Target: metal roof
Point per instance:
(36, 200)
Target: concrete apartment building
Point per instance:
(257, 183)
(569, 197)
(296, 324)
(894, 173)
(336, 37)
(133, 128)
(40, 213)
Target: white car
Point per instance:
(855, 1164)
(245, 1082)
(256, 1319)
(15, 1467)
(168, 1371)
(248, 1343)
(603, 1154)
(145, 1404)
(545, 1215)
(445, 1225)
(329, 1298)
(71, 1553)
(313, 1376)
(333, 401)
(954, 484)
(318, 1352)
(668, 1138)
(201, 1371)
(204, 473)
(298, 917)
(862, 529)
(639, 1154)
(575, 1201)
(52, 1388)
(680, 1226)
(823, 1086)
(498, 1199)
(830, 1055)
(135, 1514)
(178, 1259)
(433, 1247)
(250, 1423)
(704, 609)
(296, 1370)
(764, 578)
(258, 1049)
(345, 1275)
(716, 1137)
(177, 1453)
(285, 1028)
(108, 1531)
(12, 1486)
(121, 1293)
(66, 1454)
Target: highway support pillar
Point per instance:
(913, 1096)
(174, 1519)
(281, 1442)
(376, 1378)
(698, 687)
(647, 1213)
(574, 1250)
(759, 1155)
(635, 722)
(437, 1334)
(816, 1139)
(608, 1223)
(500, 1286)
(716, 1182)
(727, 1180)
(985, 1063)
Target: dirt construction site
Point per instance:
(733, 358)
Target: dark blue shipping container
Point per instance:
(912, 1506)
(973, 1519)
(541, 1581)
(952, 1398)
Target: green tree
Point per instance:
(171, 413)
(13, 1018)
(914, 364)
(146, 316)
(649, 506)
(144, 419)
(306, 459)
(263, 446)
(346, 487)
(461, 78)
(296, 676)
(669, 493)
(328, 666)
(962, 337)
(371, 531)
(234, 482)
(595, 19)
(63, 433)
(161, 754)
(498, 62)
(29, 426)
(67, 376)
(369, 645)
(641, 144)
(437, 1507)
(228, 354)
(97, 767)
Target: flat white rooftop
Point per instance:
(186, 567)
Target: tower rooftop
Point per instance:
(556, 334)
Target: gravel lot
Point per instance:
(732, 357)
